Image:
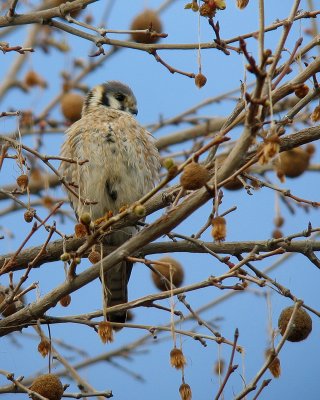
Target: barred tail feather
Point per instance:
(116, 281)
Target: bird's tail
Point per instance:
(116, 282)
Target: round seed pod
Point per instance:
(301, 91)
(301, 326)
(277, 234)
(65, 300)
(177, 273)
(194, 176)
(32, 79)
(23, 181)
(28, 216)
(49, 386)
(71, 106)
(143, 21)
(294, 162)
(200, 80)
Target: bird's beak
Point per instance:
(134, 111)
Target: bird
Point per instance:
(123, 165)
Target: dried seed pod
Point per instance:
(274, 367)
(185, 391)
(207, 10)
(23, 181)
(28, 216)
(271, 148)
(177, 359)
(176, 272)
(194, 176)
(242, 4)
(49, 386)
(219, 230)
(105, 332)
(71, 106)
(277, 234)
(65, 300)
(294, 162)
(44, 347)
(200, 80)
(301, 326)
(80, 230)
(278, 221)
(94, 257)
(47, 201)
(315, 116)
(310, 149)
(143, 21)
(301, 90)
(32, 79)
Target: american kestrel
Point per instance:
(123, 166)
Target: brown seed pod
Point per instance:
(315, 116)
(301, 91)
(294, 162)
(65, 300)
(143, 21)
(277, 234)
(278, 221)
(32, 79)
(105, 332)
(301, 326)
(23, 181)
(219, 230)
(274, 367)
(241, 4)
(28, 216)
(44, 347)
(94, 257)
(185, 391)
(310, 149)
(194, 176)
(49, 386)
(177, 359)
(176, 271)
(200, 80)
(71, 106)
(206, 10)
(80, 230)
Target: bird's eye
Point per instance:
(120, 96)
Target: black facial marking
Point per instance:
(105, 101)
(112, 193)
(119, 96)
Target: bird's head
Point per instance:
(112, 94)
